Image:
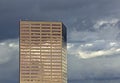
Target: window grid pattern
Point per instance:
(42, 56)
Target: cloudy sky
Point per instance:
(93, 32)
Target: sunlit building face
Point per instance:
(43, 52)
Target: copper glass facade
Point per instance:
(43, 52)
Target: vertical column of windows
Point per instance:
(46, 52)
(56, 53)
(35, 52)
(24, 52)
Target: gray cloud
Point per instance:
(97, 68)
(101, 41)
(78, 14)
(93, 27)
(9, 61)
(98, 55)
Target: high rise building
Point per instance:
(43, 52)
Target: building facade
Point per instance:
(43, 57)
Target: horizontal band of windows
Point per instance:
(45, 37)
(56, 24)
(52, 69)
(24, 31)
(25, 76)
(45, 49)
(35, 37)
(35, 34)
(24, 70)
(55, 40)
(25, 63)
(55, 36)
(47, 66)
(36, 47)
(23, 49)
(25, 44)
(25, 66)
(35, 27)
(24, 60)
(57, 47)
(35, 42)
(56, 50)
(35, 24)
(35, 56)
(24, 24)
(45, 54)
(46, 63)
(45, 32)
(46, 77)
(57, 56)
(56, 66)
(24, 52)
(24, 28)
(51, 65)
(35, 53)
(35, 30)
(42, 46)
(25, 73)
(24, 34)
(45, 27)
(36, 59)
(56, 61)
(56, 69)
(47, 60)
(57, 77)
(56, 32)
(56, 28)
(56, 73)
(24, 38)
(25, 56)
(45, 24)
(24, 41)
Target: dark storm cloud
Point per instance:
(77, 14)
